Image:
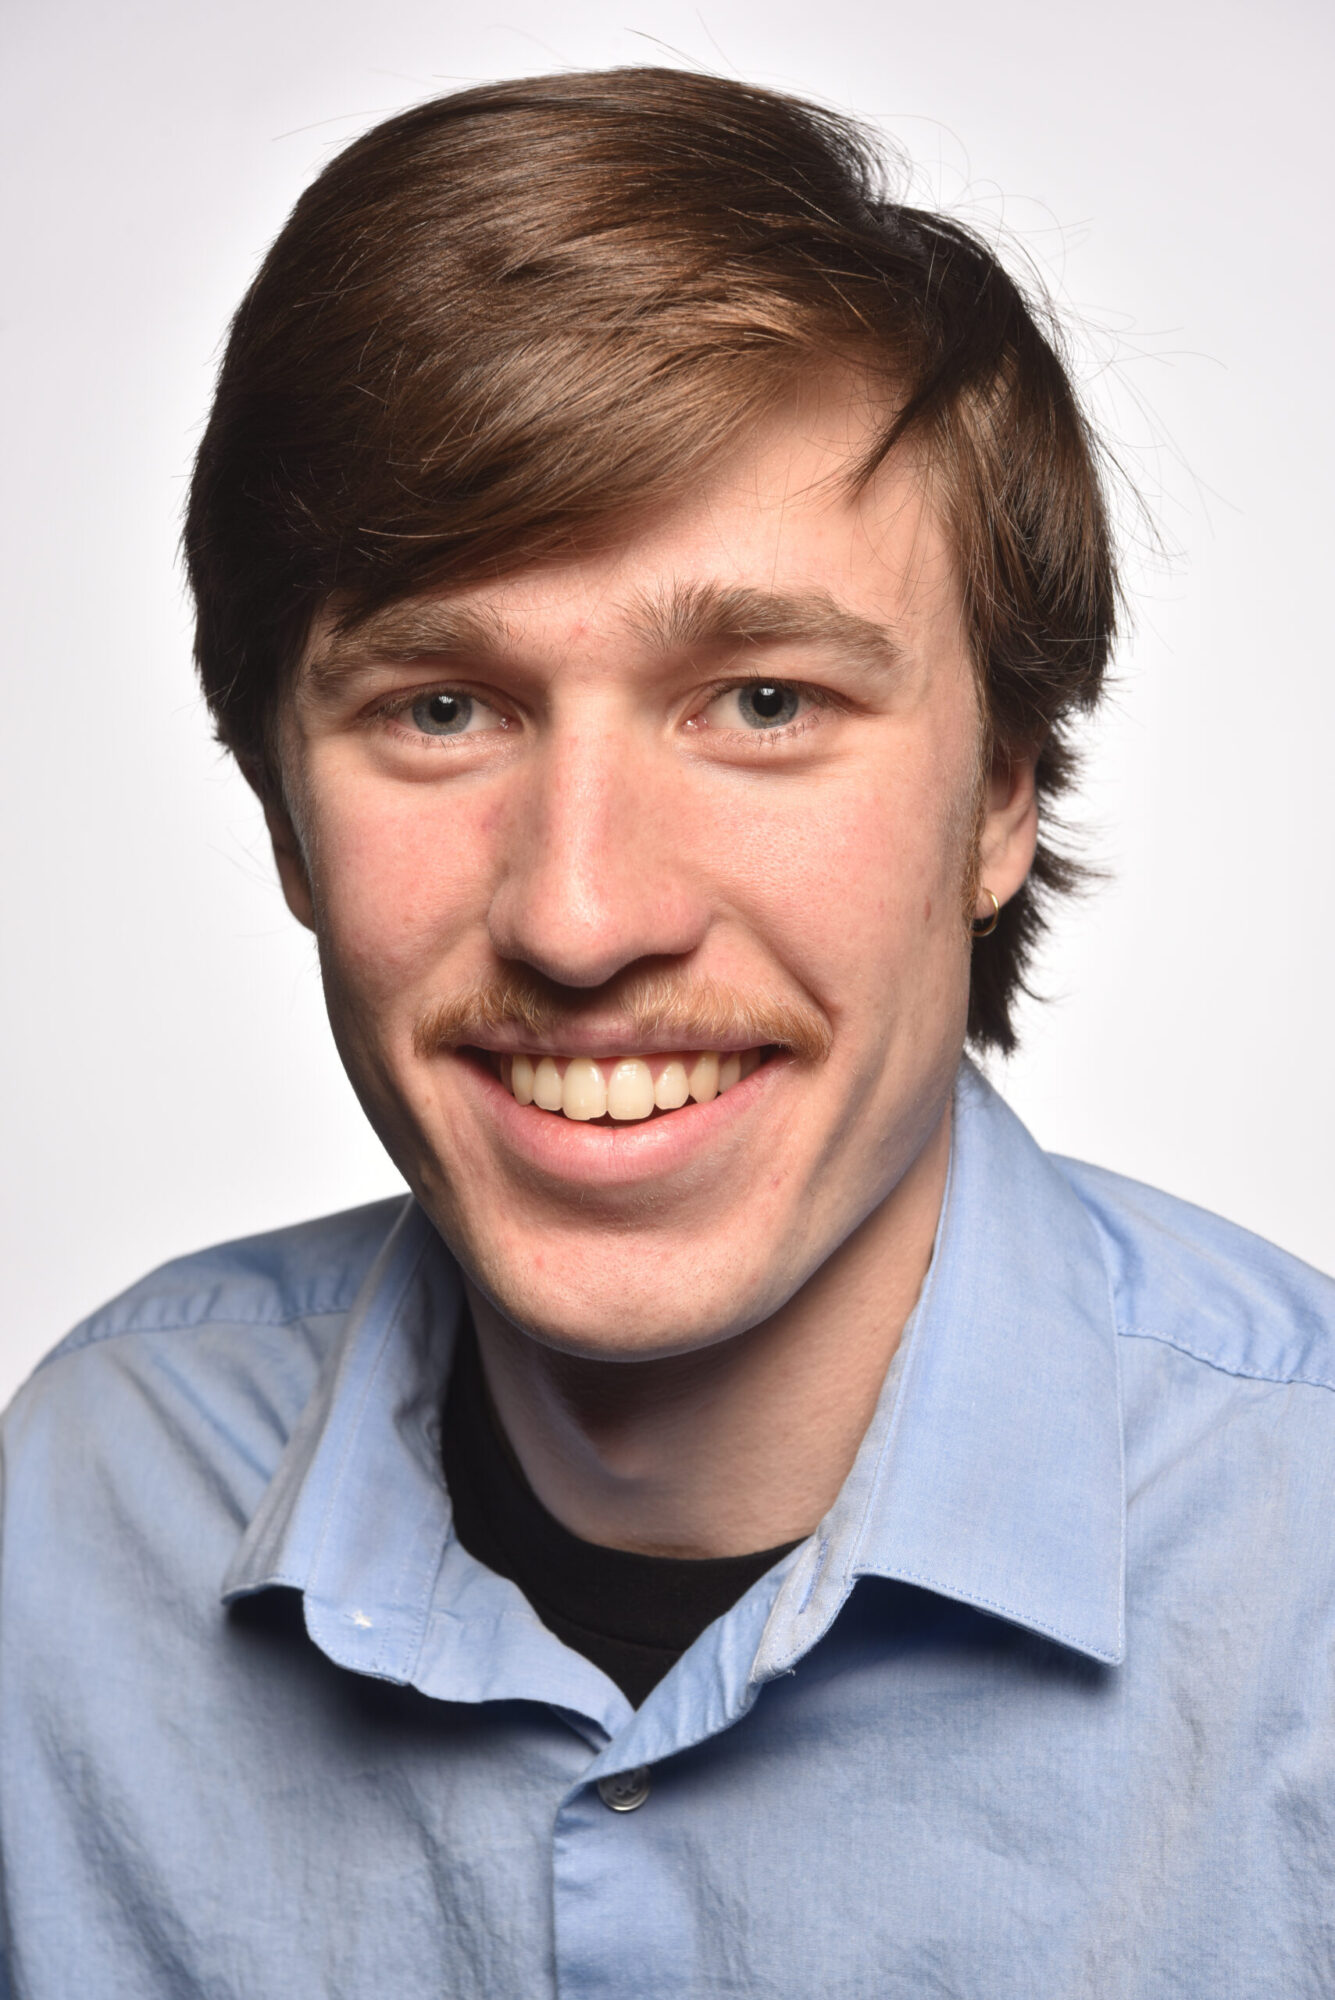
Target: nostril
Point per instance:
(580, 934)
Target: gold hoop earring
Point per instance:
(985, 927)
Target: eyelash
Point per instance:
(819, 699)
(395, 708)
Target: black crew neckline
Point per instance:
(632, 1615)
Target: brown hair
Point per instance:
(516, 316)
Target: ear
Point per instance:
(288, 857)
(1009, 833)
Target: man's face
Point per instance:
(712, 792)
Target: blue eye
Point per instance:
(443, 714)
(767, 704)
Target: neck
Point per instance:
(734, 1447)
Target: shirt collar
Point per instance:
(355, 1512)
(991, 1472)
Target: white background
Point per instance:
(169, 1079)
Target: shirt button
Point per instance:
(625, 1790)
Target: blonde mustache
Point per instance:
(660, 1008)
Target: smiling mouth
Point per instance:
(620, 1090)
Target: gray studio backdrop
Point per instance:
(169, 1078)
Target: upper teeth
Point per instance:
(625, 1087)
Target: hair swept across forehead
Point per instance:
(510, 320)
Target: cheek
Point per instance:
(397, 877)
(862, 882)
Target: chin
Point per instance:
(629, 1304)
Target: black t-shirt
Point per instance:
(632, 1615)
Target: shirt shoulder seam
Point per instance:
(1223, 1367)
(95, 1335)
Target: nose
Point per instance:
(596, 871)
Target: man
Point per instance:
(751, 1523)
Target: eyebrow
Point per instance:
(690, 617)
(680, 617)
(400, 633)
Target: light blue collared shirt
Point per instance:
(1044, 1710)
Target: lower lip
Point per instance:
(571, 1150)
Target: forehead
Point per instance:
(780, 545)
